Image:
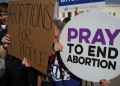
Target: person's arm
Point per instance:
(3, 52)
(5, 41)
(104, 82)
(77, 12)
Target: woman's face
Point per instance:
(3, 17)
(56, 35)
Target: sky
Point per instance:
(106, 1)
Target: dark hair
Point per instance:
(66, 20)
(4, 7)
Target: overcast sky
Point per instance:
(106, 1)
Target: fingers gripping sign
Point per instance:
(25, 62)
(58, 46)
(6, 39)
(104, 82)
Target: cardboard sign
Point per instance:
(91, 46)
(31, 29)
(83, 5)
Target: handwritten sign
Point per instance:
(91, 46)
(31, 29)
(83, 5)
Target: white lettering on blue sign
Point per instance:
(66, 1)
(55, 73)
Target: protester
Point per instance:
(16, 73)
(60, 74)
(60, 25)
(2, 61)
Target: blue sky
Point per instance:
(106, 1)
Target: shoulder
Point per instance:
(3, 32)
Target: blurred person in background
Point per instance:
(16, 73)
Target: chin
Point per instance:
(54, 41)
(5, 23)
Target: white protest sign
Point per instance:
(83, 5)
(91, 43)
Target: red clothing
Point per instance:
(51, 59)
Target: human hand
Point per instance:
(6, 39)
(77, 12)
(58, 46)
(104, 82)
(25, 62)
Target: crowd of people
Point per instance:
(20, 73)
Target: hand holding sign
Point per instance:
(6, 39)
(104, 82)
(25, 62)
(58, 46)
